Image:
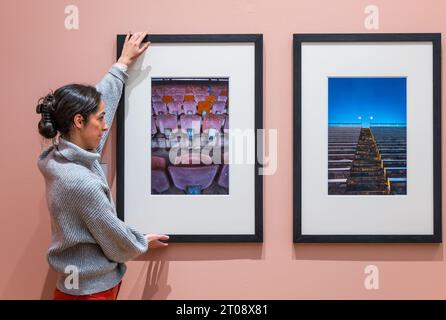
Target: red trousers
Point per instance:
(110, 294)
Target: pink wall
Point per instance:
(38, 53)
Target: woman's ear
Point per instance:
(78, 121)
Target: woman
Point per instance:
(89, 243)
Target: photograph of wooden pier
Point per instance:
(367, 136)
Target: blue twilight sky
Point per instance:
(382, 98)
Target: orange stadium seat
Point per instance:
(167, 99)
(204, 106)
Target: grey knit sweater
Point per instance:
(87, 236)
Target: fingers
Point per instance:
(131, 38)
(138, 37)
(163, 237)
(141, 37)
(144, 47)
(154, 240)
(157, 244)
(160, 237)
(154, 236)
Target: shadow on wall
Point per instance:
(155, 285)
(156, 281)
(49, 285)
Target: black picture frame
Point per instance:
(298, 236)
(257, 40)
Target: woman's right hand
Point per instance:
(154, 240)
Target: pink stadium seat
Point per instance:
(222, 98)
(158, 163)
(200, 97)
(223, 179)
(219, 107)
(158, 91)
(159, 108)
(160, 182)
(193, 180)
(157, 98)
(200, 90)
(189, 107)
(178, 97)
(180, 90)
(174, 107)
(154, 129)
(226, 127)
(190, 122)
(213, 121)
(167, 121)
(192, 158)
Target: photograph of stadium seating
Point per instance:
(367, 136)
(189, 136)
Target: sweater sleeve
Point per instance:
(111, 89)
(119, 242)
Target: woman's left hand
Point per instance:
(132, 48)
(153, 240)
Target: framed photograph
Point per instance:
(187, 162)
(367, 138)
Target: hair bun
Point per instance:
(39, 108)
(46, 104)
(46, 107)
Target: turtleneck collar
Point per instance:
(73, 152)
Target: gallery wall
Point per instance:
(39, 53)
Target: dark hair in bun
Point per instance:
(59, 108)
